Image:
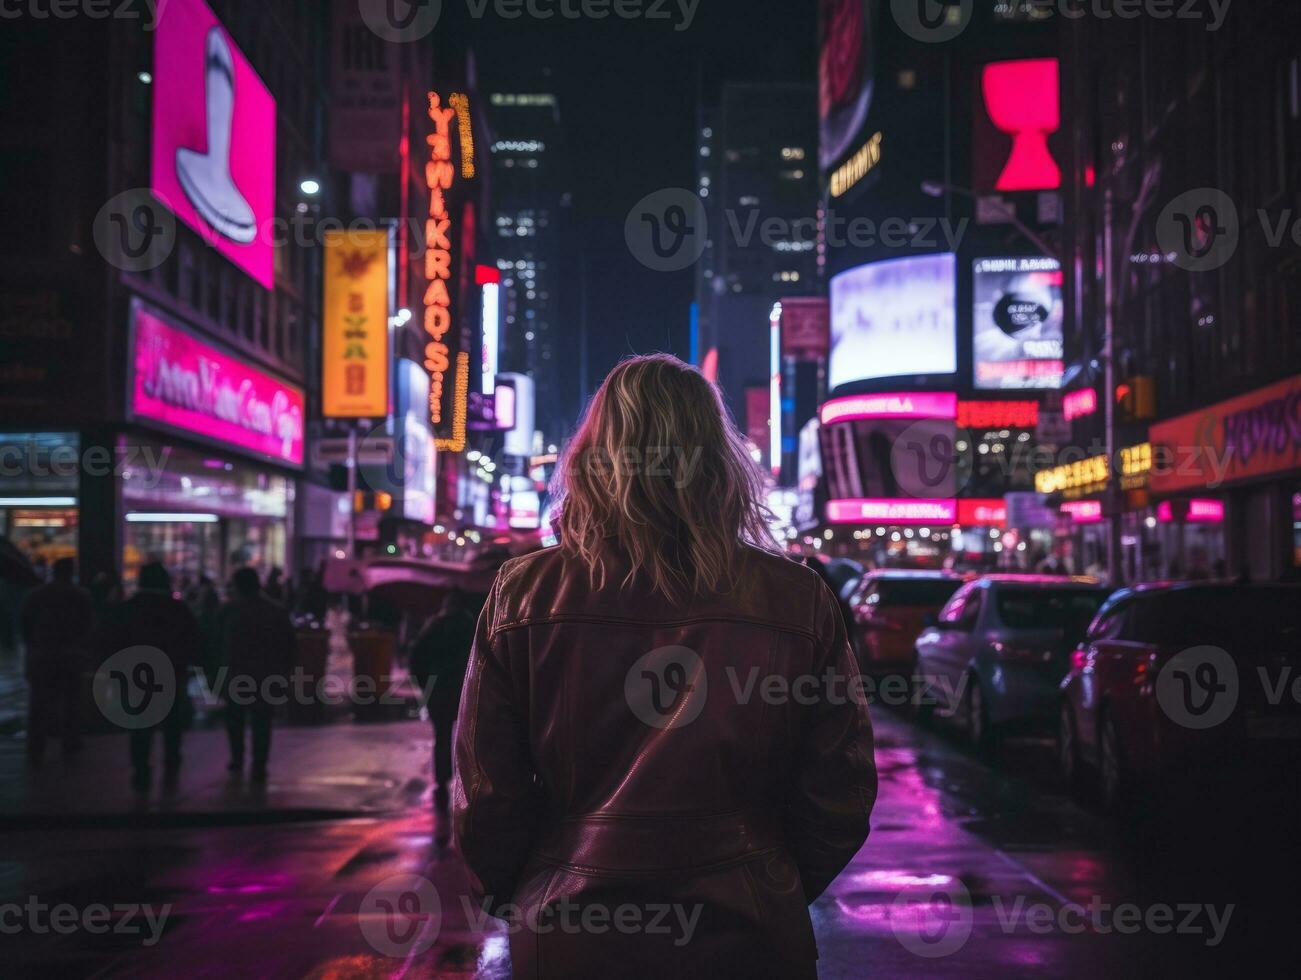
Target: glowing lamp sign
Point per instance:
(866, 511)
(915, 405)
(1079, 404)
(438, 360)
(1021, 102)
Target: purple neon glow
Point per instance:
(187, 385)
(895, 405)
(892, 511)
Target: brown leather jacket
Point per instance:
(646, 789)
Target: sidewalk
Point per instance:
(323, 772)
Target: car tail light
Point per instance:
(1009, 651)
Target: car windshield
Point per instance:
(1064, 609)
(916, 592)
(1263, 620)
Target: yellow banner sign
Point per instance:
(355, 353)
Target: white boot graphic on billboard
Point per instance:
(206, 177)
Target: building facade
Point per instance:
(1185, 135)
(161, 306)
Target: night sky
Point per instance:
(628, 93)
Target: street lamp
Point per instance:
(935, 188)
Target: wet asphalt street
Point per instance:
(971, 870)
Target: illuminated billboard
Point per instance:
(214, 137)
(845, 70)
(894, 318)
(354, 321)
(1018, 112)
(890, 446)
(1017, 316)
(188, 386)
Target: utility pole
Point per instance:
(1115, 553)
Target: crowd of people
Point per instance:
(244, 639)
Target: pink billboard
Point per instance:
(892, 511)
(895, 405)
(183, 383)
(214, 140)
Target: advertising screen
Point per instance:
(1016, 322)
(845, 68)
(214, 137)
(184, 384)
(894, 318)
(417, 449)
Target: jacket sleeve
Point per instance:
(496, 800)
(835, 773)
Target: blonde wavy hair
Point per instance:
(658, 465)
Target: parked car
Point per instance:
(1186, 678)
(999, 648)
(887, 609)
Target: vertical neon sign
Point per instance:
(438, 255)
(775, 389)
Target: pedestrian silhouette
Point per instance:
(257, 644)
(56, 621)
(439, 657)
(154, 618)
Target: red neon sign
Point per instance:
(998, 415)
(1022, 99)
(982, 513)
(1078, 404)
(1083, 511)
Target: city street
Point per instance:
(967, 871)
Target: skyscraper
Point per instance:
(527, 240)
